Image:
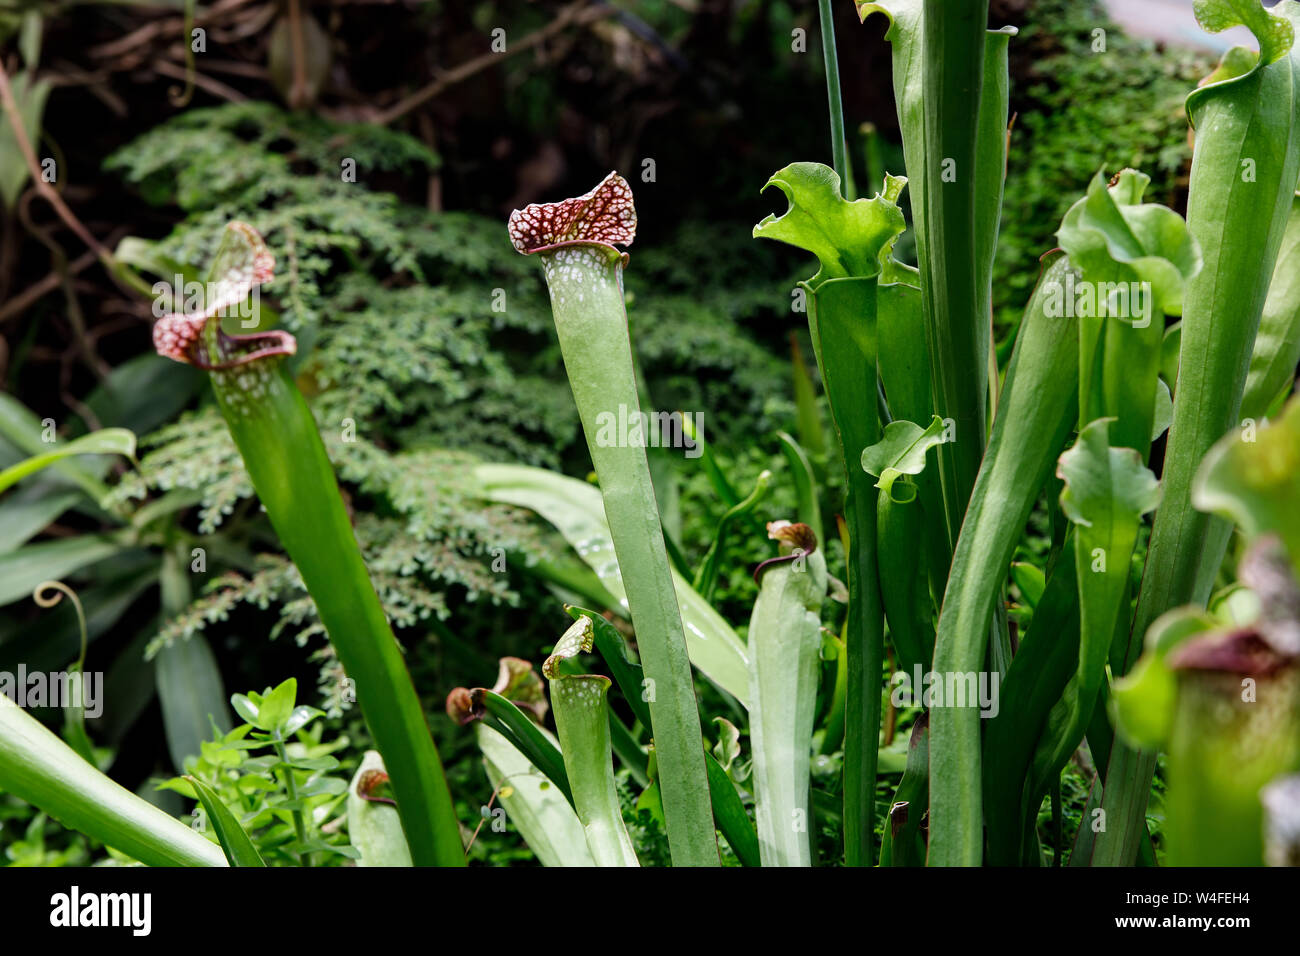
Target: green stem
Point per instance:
(290, 785)
(839, 145)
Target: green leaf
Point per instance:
(842, 319)
(901, 451)
(191, 694)
(28, 432)
(39, 768)
(950, 83)
(846, 237)
(901, 842)
(729, 813)
(1142, 702)
(1274, 33)
(1030, 580)
(784, 640)
(900, 536)
(543, 815)
(106, 441)
(1107, 490)
(299, 718)
(1112, 236)
(22, 570)
(1277, 345)
(239, 849)
(805, 482)
(575, 509)
(528, 738)
(1256, 483)
(1039, 673)
(706, 578)
(30, 98)
(905, 372)
(27, 512)
(1135, 260)
(1034, 418)
(277, 706)
(188, 679)
(245, 708)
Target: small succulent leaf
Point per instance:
(246, 708)
(277, 706)
(300, 717)
(1256, 483)
(1274, 33)
(605, 215)
(848, 238)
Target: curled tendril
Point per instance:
(799, 538)
(370, 781)
(48, 594)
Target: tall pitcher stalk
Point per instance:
(278, 439)
(584, 272)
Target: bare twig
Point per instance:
(34, 292)
(47, 192)
(576, 14)
(207, 83)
